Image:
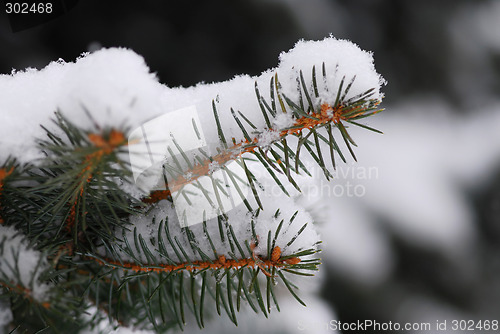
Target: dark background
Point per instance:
(186, 42)
(423, 48)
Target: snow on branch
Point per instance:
(21, 266)
(317, 86)
(116, 87)
(204, 161)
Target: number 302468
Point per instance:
(26, 8)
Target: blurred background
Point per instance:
(421, 243)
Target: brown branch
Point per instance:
(104, 147)
(22, 291)
(220, 263)
(4, 173)
(326, 115)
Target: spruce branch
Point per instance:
(4, 173)
(216, 271)
(77, 189)
(137, 261)
(307, 122)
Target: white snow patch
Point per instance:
(268, 137)
(240, 220)
(116, 87)
(26, 270)
(213, 167)
(283, 121)
(5, 314)
(342, 59)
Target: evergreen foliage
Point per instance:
(71, 210)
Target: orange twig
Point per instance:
(326, 115)
(105, 147)
(23, 291)
(221, 262)
(3, 174)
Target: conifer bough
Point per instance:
(79, 233)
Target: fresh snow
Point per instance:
(240, 220)
(116, 87)
(20, 264)
(5, 314)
